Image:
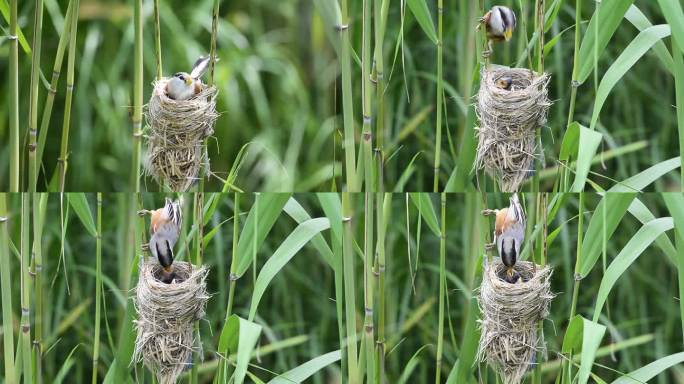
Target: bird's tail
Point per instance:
(200, 67)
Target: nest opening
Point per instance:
(509, 117)
(166, 314)
(176, 132)
(509, 339)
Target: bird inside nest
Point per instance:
(499, 22)
(165, 227)
(183, 85)
(504, 82)
(509, 234)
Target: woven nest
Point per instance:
(510, 314)
(508, 122)
(176, 134)
(166, 313)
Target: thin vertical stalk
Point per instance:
(440, 96)
(63, 152)
(39, 207)
(199, 250)
(98, 288)
(33, 106)
(442, 288)
(233, 277)
(539, 26)
(14, 99)
(368, 326)
(6, 288)
(574, 84)
(50, 99)
(567, 368)
(137, 95)
(384, 203)
(381, 10)
(679, 96)
(212, 65)
(349, 296)
(366, 135)
(25, 254)
(542, 217)
(157, 40)
(347, 102)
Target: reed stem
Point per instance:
(349, 296)
(33, 106)
(6, 288)
(442, 289)
(347, 102)
(63, 153)
(39, 208)
(14, 100)
(368, 326)
(366, 135)
(137, 95)
(440, 98)
(384, 203)
(157, 40)
(380, 11)
(25, 263)
(50, 98)
(98, 288)
(574, 84)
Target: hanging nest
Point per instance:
(508, 121)
(166, 314)
(176, 134)
(510, 314)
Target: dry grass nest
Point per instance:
(509, 340)
(166, 313)
(175, 135)
(508, 122)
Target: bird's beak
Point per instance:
(508, 33)
(188, 80)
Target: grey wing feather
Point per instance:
(200, 67)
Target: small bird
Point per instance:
(500, 22)
(504, 82)
(183, 85)
(165, 227)
(509, 233)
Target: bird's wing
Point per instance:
(200, 67)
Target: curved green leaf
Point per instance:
(634, 51)
(646, 177)
(615, 204)
(591, 339)
(80, 205)
(421, 12)
(306, 370)
(647, 372)
(634, 248)
(608, 15)
(292, 244)
(587, 144)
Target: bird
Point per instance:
(509, 234)
(504, 82)
(500, 22)
(183, 85)
(165, 227)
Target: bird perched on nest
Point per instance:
(500, 22)
(509, 234)
(183, 85)
(165, 227)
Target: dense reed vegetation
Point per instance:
(320, 94)
(397, 281)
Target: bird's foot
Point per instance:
(487, 53)
(490, 246)
(488, 212)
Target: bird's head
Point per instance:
(184, 77)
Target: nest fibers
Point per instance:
(177, 129)
(166, 313)
(508, 121)
(510, 315)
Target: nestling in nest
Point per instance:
(511, 104)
